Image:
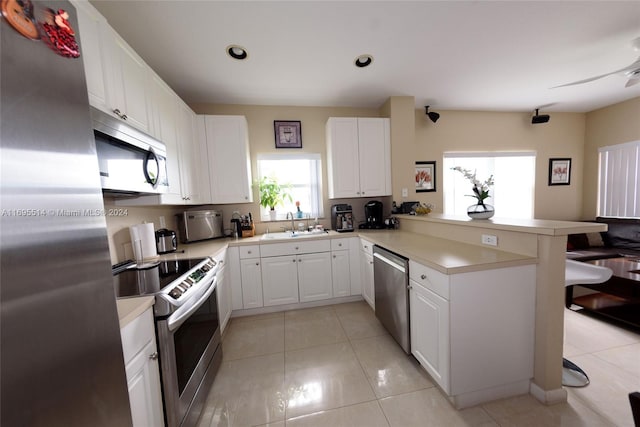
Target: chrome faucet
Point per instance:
(293, 230)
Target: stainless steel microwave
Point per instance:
(131, 162)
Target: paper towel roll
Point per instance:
(144, 234)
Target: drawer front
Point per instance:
(429, 278)
(366, 246)
(339, 244)
(252, 251)
(296, 247)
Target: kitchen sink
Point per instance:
(286, 235)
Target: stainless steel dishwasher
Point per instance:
(391, 283)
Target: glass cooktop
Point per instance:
(149, 281)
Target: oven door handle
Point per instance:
(182, 314)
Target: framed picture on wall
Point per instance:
(425, 177)
(560, 171)
(288, 134)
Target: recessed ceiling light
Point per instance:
(363, 61)
(237, 52)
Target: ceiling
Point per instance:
(452, 55)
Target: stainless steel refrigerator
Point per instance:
(61, 354)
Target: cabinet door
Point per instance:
(143, 382)
(429, 319)
(251, 283)
(340, 273)
(374, 147)
(92, 26)
(164, 128)
(366, 275)
(314, 276)
(128, 83)
(229, 161)
(234, 277)
(224, 297)
(189, 155)
(342, 157)
(279, 280)
(354, 265)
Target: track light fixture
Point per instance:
(432, 115)
(539, 118)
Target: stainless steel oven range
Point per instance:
(187, 330)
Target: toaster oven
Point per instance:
(199, 225)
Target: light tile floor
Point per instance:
(337, 366)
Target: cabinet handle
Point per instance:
(340, 244)
(257, 263)
(297, 248)
(299, 260)
(153, 356)
(370, 262)
(423, 276)
(366, 247)
(334, 256)
(124, 117)
(117, 113)
(248, 252)
(293, 260)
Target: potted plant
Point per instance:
(272, 194)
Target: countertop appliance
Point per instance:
(342, 218)
(61, 354)
(373, 215)
(166, 241)
(187, 329)
(131, 162)
(391, 284)
(199, 225)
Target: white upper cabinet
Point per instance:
(92, 33)
(228, 158)
(127, 80)
(164, 127)
(117, 77)
(189, 156)
(359, 157)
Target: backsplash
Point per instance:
(125, 216)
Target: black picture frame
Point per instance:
(560, 171)
(288, 133)
(425, 176)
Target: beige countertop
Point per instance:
(532, 226)
(446, 256)
(130, 308)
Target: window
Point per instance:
(303, 173)
(619, 180)
(514, 175)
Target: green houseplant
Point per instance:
(273, 194)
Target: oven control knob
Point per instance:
(205, 268)
(175, 293)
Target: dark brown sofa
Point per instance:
(622, 239)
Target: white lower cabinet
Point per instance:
(474, 332)
(142, 370)
(429, 325)
(341, 273)
(366, 272)
(314, 276)
(223, 287)
(280, 280)
(251, 283)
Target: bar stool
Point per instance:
(580, 273)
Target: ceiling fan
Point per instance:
(631, 71)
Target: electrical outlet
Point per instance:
(405, 192)
(488, 239)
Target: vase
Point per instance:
(480, 211)
(272, 214)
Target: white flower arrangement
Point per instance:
(480, 189)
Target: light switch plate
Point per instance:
(488, 239)
(405, 192)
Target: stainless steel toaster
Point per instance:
(199, 225)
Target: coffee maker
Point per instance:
(342, 218)
(373, 215)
